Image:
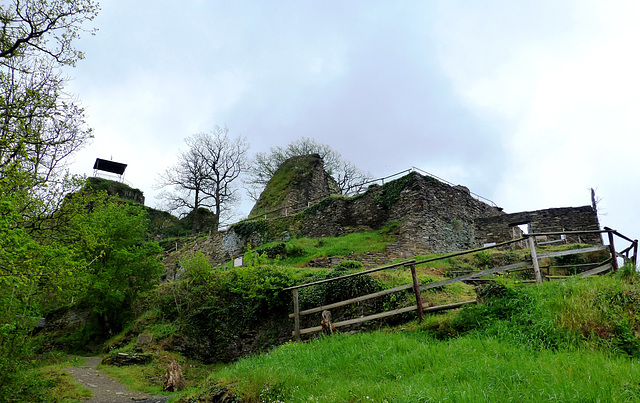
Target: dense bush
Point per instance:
(328, 293)
(206, 301)
(515, 314)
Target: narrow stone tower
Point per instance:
(298, 182)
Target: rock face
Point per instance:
(298, 183)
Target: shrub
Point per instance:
(349, 265)
(483, 258)
(295, 250)
(196, 266)
(628, 273)
(518, 315)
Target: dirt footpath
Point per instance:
(105, 389)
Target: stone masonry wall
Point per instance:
(504, 227)
(430, 217)
(437, 217)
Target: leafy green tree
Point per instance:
(113, 234)
(30, 275)
(40, 126)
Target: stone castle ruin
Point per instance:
(296, 184)
(428, 216)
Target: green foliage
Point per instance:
(295, 249)
(254, 258)
(122, 263)
(275, 251)
(516, 315)
(114, 188)
(245, 229)
(32, 276)
(413, 367)
(201, 307)
(301, 250)
(328, 293)
(196, 266)
(349, 265)
(258, 285)
(629, 273)
(390, 191)
(320, 206)
(483, 258)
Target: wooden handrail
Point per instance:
(600, 231)
(354, 300)
(360, 273)
(381, 315)
(610, 264)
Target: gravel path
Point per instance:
(105, 389)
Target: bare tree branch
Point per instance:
(205, 174)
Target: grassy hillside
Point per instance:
(565, 341)
(570, 340)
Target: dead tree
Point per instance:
(173, 380)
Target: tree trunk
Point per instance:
(173, 380)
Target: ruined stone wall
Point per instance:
(504, 227)
(339, 216)
(297, 183)
(431, 217)
(437, 217)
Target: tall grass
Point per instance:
(568, 341)
(413, 367)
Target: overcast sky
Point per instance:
(528, 103)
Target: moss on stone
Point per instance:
(114, 188)
(390, 191)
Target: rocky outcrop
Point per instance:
(298, 183)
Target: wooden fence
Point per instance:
(628, 254)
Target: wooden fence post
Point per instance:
(534, 259)
(634, 259)
(296, 313)
(416, 290)
(612, 248)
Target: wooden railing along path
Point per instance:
(628, 254)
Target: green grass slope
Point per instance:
(565, 341)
